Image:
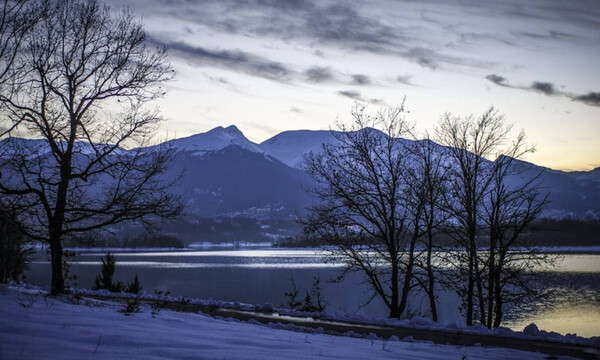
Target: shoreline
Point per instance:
(281, 320)
(592, 250)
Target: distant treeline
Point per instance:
(288, 233)
(545, 232)
(548, 232)
(234, 229)
(145, 240)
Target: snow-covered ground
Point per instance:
(36, 327)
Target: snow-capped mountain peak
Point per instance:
(215, 139)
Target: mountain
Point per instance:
(225, 174)
(571, 194)
(592, 175)
(290, 147)
(215, 139)
(236, 181)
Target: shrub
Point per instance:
(14, 252)
(135, 286)
(105, 279)
(131, 306)
(313, 300)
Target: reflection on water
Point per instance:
(261, 276)
(580, 263)
(583, 319)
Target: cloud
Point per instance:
(318, 74)
(591, 98)
(550, 35)
(353, 94)
(405, 79)
(549, 89)
(496, 79)
(230, 59)
(545, 88)
(346, 25)
(360, 79)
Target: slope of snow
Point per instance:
(36, 327)
(289, 147)
(215, 139)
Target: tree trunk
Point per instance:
(56, 231)
(498, 290)
(480, 296)
(431, 279)
(56, 251)
(394, 311)
(491, 279)
(407, 276)
(470, 285)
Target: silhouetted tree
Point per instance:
(469, 141)
(81, 82)
(14, 251)
(511, 263)
(105, 280)
(362, 211)
(426, 183)
(135, 286)
(489, 214)
(17, 18)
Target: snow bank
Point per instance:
(531, 332)
(36, 327)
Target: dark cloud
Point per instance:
(537, 86)
(433, 60)
(591, 98)
(405, 79)
(581, 15)
(550, 35)
(496, 79)
(352, 94)
(318, 74)
(346, 25)
(235, 60)
(360, 79)
(424, 57)
(370, 27)
(547, 88)
(544, 87)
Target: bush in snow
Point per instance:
(313, 300)
(131, 306)
(105, 279)
(135, 286)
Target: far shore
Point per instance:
(269, 246)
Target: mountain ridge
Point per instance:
(225, 173)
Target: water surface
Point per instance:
(264, 275)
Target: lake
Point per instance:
(259, 276)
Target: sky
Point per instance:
(268, 66)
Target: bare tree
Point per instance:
(362, 212)
(508, 212)
(14, 251)
(426, 185)
(483, 204)
(469, 141)
(82, 85)
(17, 18)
